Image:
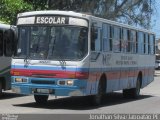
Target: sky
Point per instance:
(156, 20)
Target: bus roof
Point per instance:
(53, 12)
(81, 15)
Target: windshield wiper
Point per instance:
(26, 61)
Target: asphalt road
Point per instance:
(148, 102)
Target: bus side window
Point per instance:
(146, 43)
(124, 44)
(149, 44)
(129, 41)
(105, 36)
(111, 37)
(136, 42)
(116, 39)
(133, 41)
(1, 43)
(152, 44)
(140, 43)
(120, 37)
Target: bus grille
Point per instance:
(42, 82)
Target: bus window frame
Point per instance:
(116, 30)
(96, 35)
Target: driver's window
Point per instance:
(95, 38)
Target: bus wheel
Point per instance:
(134, 92)
(0, 88)
(41, 99)
(97, 99)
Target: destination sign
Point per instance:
(52, 20)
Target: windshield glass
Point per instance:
(55, 43)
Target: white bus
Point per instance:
(5, 62)
(64, 53)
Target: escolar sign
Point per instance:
(51, 20)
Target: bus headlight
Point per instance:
(61, 82)
(21, 80)
(66, 82)
(70, 82)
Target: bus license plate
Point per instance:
(45, 91)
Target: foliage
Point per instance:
(38, 4)
(133, 12)
(10, 9)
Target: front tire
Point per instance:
(41, 99)
(97, 99)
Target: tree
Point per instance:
(10, 9)
(133, 12)
(38, 4)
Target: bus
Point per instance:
(5, 62)
(64, 53)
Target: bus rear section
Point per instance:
(5, 61)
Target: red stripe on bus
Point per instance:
(49, 73)
(93, 76)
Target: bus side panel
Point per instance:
(148, 70)
(131, 78)
(151, 70)
(93, 80)
(113, 78)
(92, 83)
(147, 78)
(123, 79)
(151, 75)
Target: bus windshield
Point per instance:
(52, 42)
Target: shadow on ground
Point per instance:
(9, 95)
(82, 103)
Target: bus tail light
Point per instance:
(14, 72)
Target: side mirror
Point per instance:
(1, 42)
(9, 38)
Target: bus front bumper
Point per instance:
(49, 86)
(47, 90)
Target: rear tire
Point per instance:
(134, 92)
(41, 99)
